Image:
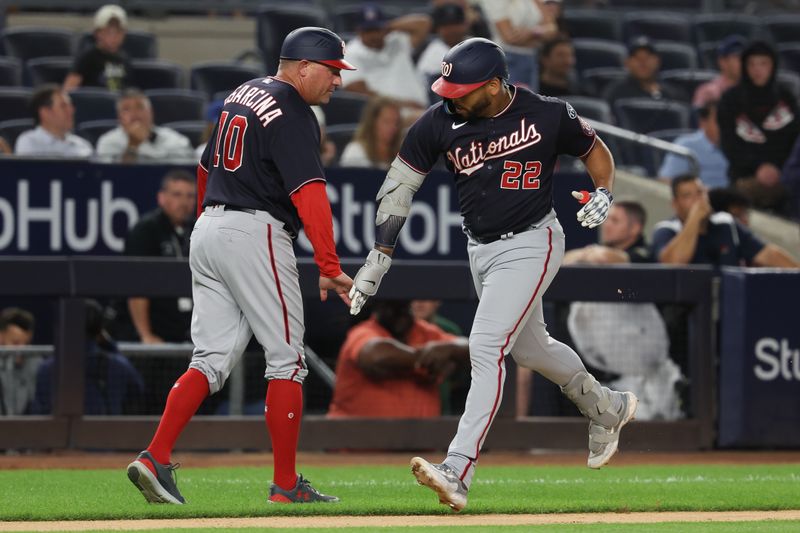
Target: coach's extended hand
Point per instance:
(368, 279)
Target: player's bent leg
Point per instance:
(608, 412)
(443, 480)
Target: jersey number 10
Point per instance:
(513, 170)
(233, 141)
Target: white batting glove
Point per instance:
(368, 279)
(596, 205)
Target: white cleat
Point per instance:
(603, 441)
(442, 480)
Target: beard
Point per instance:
(477, 109)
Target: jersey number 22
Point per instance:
(513, 170)
(232, 141)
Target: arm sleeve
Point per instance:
(421, 147)
(575, 136)
(741, 164)
(661, 238)
(294, 148)
(23, 146)
(314, 210)
(673, 166)
(749, 244)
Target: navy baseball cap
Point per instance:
(468, 65)
(315, 44)
(641, 43)
(732, 44)
(372, 17)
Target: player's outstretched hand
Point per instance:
(368, 279)
(341, 284)
(595, 206)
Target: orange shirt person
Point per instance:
(390, 366)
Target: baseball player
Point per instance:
(259, 179)
(501, 144)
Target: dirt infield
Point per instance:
(396, 521)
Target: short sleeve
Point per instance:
(294, 148)
(81, 64)
(749, 244)
(420, 148)
(356, 339)
(575, 136)
(673, 166)
(661, 238)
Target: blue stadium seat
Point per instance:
(48, 69)
(658, 26)
(215, 76)
(177, 105)
(274, 22)
(156, 74)
(707, 53)
(345, 108)
(340, 135)
(593, 24)
(10, 72)
(714, 27)
(644, 115)
(193, 129)
(14, 102)
(593, 108)
(783, 28)
(137, 44)
(29, 43)
(688, 80)
(790, 56)
(676, 55)
(11, 129)
(93, 104)
(790, 80)
(596, 80)
(596, 53)
(91, 130)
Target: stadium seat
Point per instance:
(340, 135)
(345, 19)
(11, 129)
(137, 44)
(790, 56)
(658, 26)
(29, 43)
(156, 74)
(714, 27)
(93, 104)
(92, 130)
(644, 115)
(274, 22)
(790, 80)
(177, 105)
(593, 108)
(216, 76)
(707, 53)
(193, 129)
(596, 53)
(688, 80)
(783, 28)
(596, 80)
(48, 69)
(676, 55)
(345, 108)
(593, 24)
(14, 102)
(10, 72)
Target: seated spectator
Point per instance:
(621, 238)
(643, 65)
(729, 200)
(391, 364)
(54, 115)
(520, 27)
(428, 310)
(327, 148)
(112, 385)
(704, 143)
(758, 123)
(5, 148)
(729, 62)
(377, 139)
(137, 139)
(699, 236)
(450, 25)
(105, 64)
(557, 62)
(383, 52)
(17, 372)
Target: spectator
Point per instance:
(704, 143)
(164, 233)
(519, 27)
(450, 25)
(476, 23)
(758, 126)
(54, 115)
(137, 139)
(105, 64)
(327, 148)
(112, 385)
(17, 372)
(378, 137)
(731, 201)
(729, 62)
(428, 310)
(698, 236)
(391, 364)
(557, 61)
(621, 237)
(643, 65)
(383, 52)
(5, 148)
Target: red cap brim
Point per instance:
(446, 89)
(341, 64)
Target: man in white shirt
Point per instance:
(383, 52)
(450, 25)
(55, 117)
(137, 139)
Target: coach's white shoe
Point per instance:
(443, 480)
(603, 441)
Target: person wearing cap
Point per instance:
(105, 64)
(451, 27)
(259, 181)
(501, 144)
(383, 51)
(729, 62)
(643, 64)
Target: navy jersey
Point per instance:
(503, 165)
(265, 147)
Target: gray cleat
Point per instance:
(443, 480)
(603, 441)
(158, 488)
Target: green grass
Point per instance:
(376, 490)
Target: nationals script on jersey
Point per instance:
(503, 165)
(264, 147)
